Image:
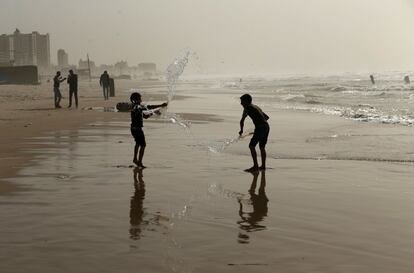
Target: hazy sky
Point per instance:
(233, 36)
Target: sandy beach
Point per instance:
(336, 197)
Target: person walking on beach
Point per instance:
(56, 89)
(104, 82)
(261, 130)
(73, 87)
(138, 113)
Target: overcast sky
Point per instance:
(232, 36)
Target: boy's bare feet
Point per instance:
(262, 168)
(139, 164)
(252, 169)
(136, 162)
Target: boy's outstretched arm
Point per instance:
(150, 107)
(242, 123)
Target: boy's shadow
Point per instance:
(251, 221)
(137, 211)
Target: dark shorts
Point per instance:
(261, 133)
(139, 136)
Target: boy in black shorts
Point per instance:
(261, 130)
(138, 113)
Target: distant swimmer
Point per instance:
(407, 80)
(56, 89)
(261, 130)
(372, 79)
(138, 113)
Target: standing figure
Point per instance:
(261, 130)
(138, 113)
(56, 85)
(372, 79)
(73, 87)
(104, 82)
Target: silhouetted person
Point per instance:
(137, 212)
(104, 82)
(407, 80)
(372, 79)
(138, 113)
(56, 89)
(73, 87)
(111, 87)
(261, 130)
(250, 221)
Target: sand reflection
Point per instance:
(253, 221)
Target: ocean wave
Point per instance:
(364, 114)
(313, 102)
(292, 97)
(345, 158)
(339, 89)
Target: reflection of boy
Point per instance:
(261, 131)
(253, 221)
(138, 113)
(136, 213)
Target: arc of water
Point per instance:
(174, 71)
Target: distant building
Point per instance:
(121, 67)
(83, 64)
(63, 58)
(25, 49)
(5, 50)
(147, 68)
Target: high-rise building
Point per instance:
(25, 49)
(63, 59)
(5, 50)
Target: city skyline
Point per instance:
(233, 36)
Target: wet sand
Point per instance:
(28, 111)
(337, 196)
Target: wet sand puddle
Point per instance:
(88, 211)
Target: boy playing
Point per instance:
(261, 130)
(138, 113)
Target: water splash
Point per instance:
(222, 146)
(177, 119)
(174, 71)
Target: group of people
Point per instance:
(140, 112)
(259, 118)
(72, 80)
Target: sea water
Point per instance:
(350, 96)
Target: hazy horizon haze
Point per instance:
(233, 36)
